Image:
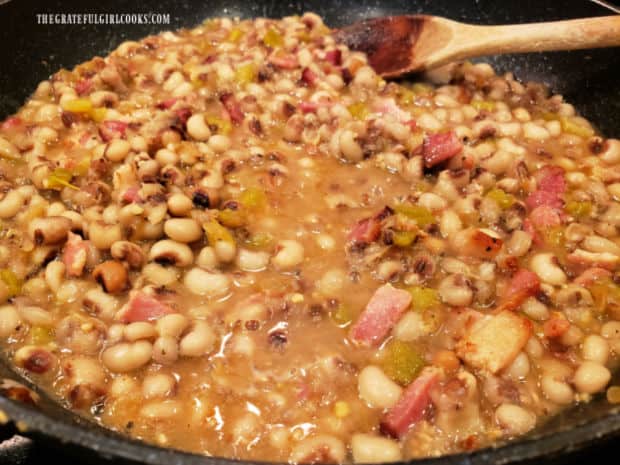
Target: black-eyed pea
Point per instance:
(611, 152)
(243, 344)
(35, 316)
(123, 386)
(166, 157)
(332, 282)
(411, 327)
(100, 304)
(225, 251)
(159, 275)
(158, 385)
(10, 204)
(455, 290)
(125, 357)
(54, 274)
(519, 368)
(197, 127)
(160, 410)
(556, 389)
(376, 389)
(128, 252)
(246, 312)
(202, 282)
(179, 204)
(371, 448)
(10, 321)
(206, 258)
(102, 236)
(545, 265)
(85, 379)
(112, 276)
(329, 448)
(35, 359)
(289, 254)
(168, 252)
(514, 419)
(117, 150)
(198, 341)
(348, 146)
(49, 231)
(172, 325)
(591, 377)
(139, 330)
(250, 260)
(245, 428)
(219, 143)
(183, 230)
(165, 350)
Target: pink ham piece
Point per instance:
(334, 57)
(109, 130)
(546, 216)
(232, 108)
(131, 195)
(143, 307)
(365, 231)
(83, 86)
(388, 106)
(12, 122)
(551, 186)
(284, 61)
(440, 147)
(523, 284)
(167, 104)
(75, 255)
(382, 312)
(309, 77)
(411, 406)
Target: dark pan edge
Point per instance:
(113, 445)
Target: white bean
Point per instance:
(377, 389)
(370, 448)
(202, 282)
(591, 377)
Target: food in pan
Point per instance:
(238, 240)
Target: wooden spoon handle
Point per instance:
(538, 37)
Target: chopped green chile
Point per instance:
(241, 232)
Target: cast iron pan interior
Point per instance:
(30, 52)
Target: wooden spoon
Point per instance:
(401, 44)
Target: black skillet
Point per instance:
(30, 52)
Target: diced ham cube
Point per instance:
(555, 327)
(83, 86)
(365, 231)
(388, 106)
(309, 77)
(551, 186)
(523, 284)
(143, 307)
(111, 129)
(284, 61)
(232, 107)
(494, 343)
(411, 405)
(545, 217)
(440, 147)
(167, 104)
(75, 255)
(334, 57)
(551, 179)
(538, 198)
(131, 195)
(12, 122)
(382, 312)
